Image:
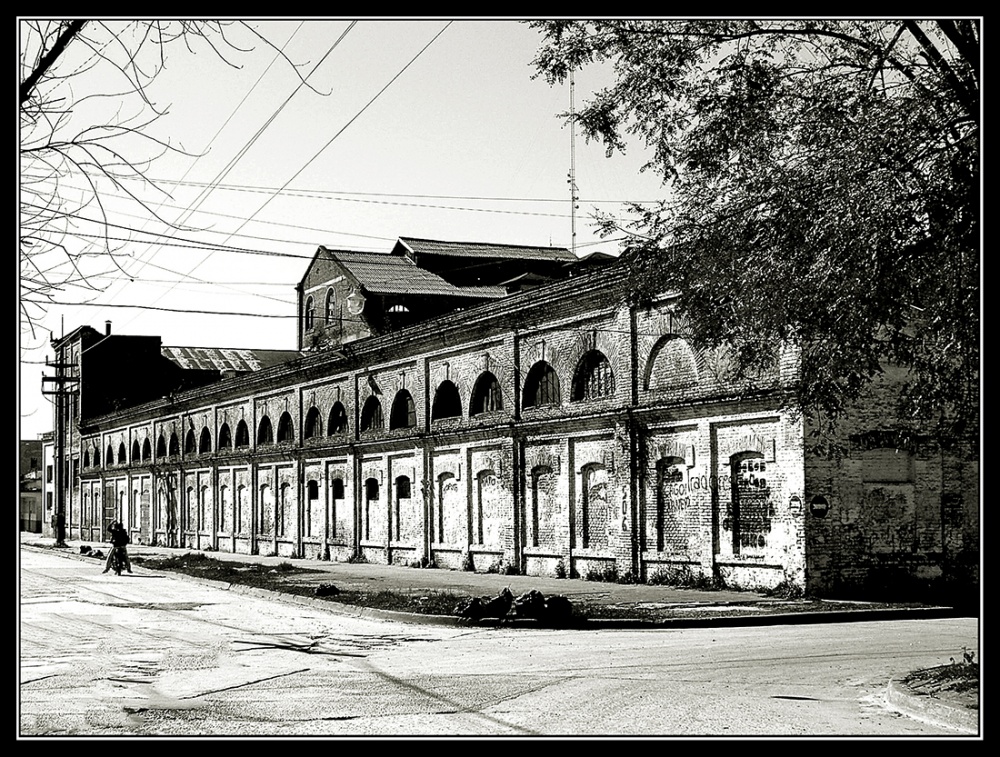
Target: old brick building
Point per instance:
(503, 408)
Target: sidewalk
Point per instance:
(731, 607)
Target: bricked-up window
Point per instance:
(750, 509)
(265, 433)
(331, 302)
(135, 451)
(403, 413)
(672, 365)
(402, 492)
(314, 424)
(371, 415)
(371, 500)
(175, 446)
(225, 437)
(486, 395)
(205, 443)
(284, 501)
(542, 483)
(541, 387)
(310, 317)
(447, 403)
(203, 523)
(286, 430)
(224, 504)
(595, 509)
(338, 420)
(122, 459)
(313, 518)
(242, 434)
(147, 451)
(336, 503)
(161, 448)
(669, 525)
(189, 442)
(593, 378)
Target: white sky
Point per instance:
(462, 146)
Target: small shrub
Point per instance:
(785, 590)
(509, 569)
(608, 574)
(357, 558)
(560, 569)
(682, 577)
(467, 563)
(284, 567)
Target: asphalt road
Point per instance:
(156, 655)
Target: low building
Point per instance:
(30, 485)
(509, 413)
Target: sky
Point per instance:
(428, 127)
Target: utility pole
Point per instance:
(572, 165)
(65, 388)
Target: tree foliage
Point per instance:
(85, 126)
(823, 192)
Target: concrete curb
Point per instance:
(931, 710)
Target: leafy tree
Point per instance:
(823, 191)
(85, 127)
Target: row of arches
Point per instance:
(594, 379)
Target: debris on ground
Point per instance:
(480, 608)
(327, 590)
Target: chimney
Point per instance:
(107, 328)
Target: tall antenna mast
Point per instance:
(572, 166)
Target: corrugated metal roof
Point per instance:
(222, 359)
(487, 250)
(381, 273)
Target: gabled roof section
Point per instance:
(222, 359)
(484, 250)
(381, 273)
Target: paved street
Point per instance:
(154, 654)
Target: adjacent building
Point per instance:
(503, 408)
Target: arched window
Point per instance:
(593, 378)
(265, 434)
(135, 451)
(205, 443)
(338, 420)
(175, 445)
(331, 302)
(242, 434)
(121, 454)
(286, 431)
(225, 437)
(161, 447)
(310, 317)
(371, 415)
(403, 413)
(486, 396)
(447, 403)
(109, 455)
(189, 447)
(314, 424)
(541, 387)
(147, 451)
(86, 458)
(97, 457)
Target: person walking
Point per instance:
(118, 537)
